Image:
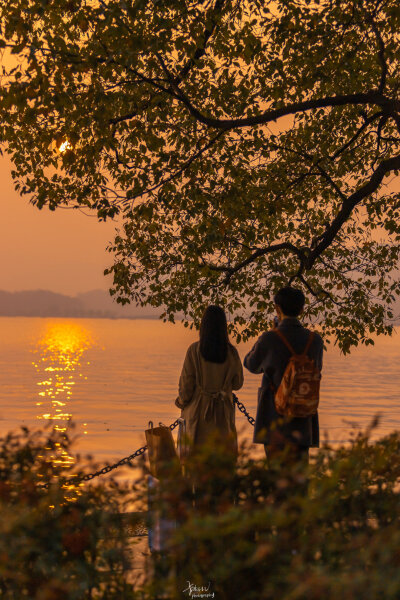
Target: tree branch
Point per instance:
(349, 204)
(371, 97)
(316, 164)
(180, 170)
(199, 52)
(257, 254)
(308, 257)
(381, 54)
(317, 294)
(367, 122)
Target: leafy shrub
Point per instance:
(330, 530)
(61, 543)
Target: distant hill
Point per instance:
(101, 301)
(93, 304)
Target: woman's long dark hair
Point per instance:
(214, 339)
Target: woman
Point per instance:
(212, 369)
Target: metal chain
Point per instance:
(242, 409)
(108, 468)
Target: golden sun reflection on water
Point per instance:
(59, 366)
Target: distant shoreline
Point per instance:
(95, 304)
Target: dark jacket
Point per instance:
(270, 357)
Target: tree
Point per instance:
(245, 144)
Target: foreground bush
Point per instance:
(328, 531)
(60, 543)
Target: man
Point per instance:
(270, 356)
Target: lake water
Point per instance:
(112, 376)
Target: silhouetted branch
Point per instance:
(368, 121)
(350, 203)
(372, 97)
(305, 155)
(199, 52)
(306, 256)
(381, 54)
(317, 294)
(179, 171)
(257, 254)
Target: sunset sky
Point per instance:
(61, 251)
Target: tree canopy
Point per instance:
(244, 144)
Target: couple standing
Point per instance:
(212, 369)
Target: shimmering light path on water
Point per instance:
(112, 376)
(59, 354)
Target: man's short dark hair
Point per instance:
(290, 300)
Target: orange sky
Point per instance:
(61, 251)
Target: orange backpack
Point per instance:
(298, 392)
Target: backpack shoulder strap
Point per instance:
(309, 341)
(285, 341)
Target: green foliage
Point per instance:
(243, 143)
(57, 544)
(256, 531)
(330, 530)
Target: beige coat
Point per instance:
(205, 394)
